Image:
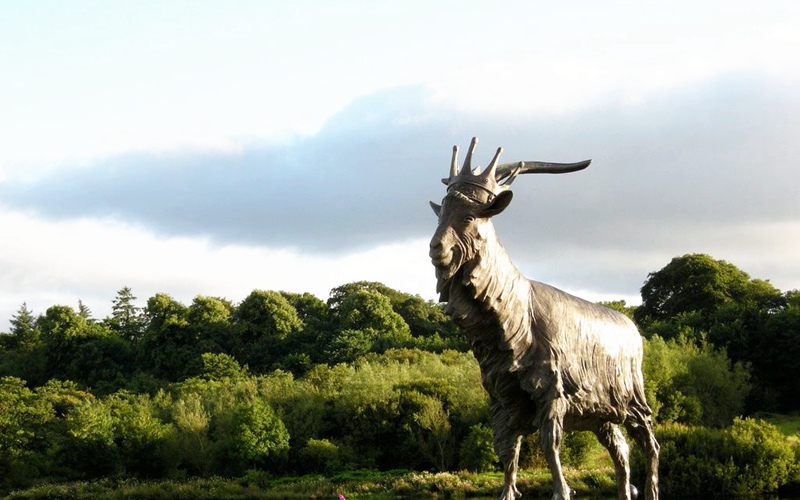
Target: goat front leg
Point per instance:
(510, 460)
(550, 435)
(507, 442)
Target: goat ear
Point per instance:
(436, 208)
(497, 205)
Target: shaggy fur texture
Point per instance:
(549, 361)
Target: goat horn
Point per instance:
(511, 170)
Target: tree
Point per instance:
(259, 437)
(776, 357)
(306, 347)
(21, 436)
(220, 366)
(75, 349)
(425, 319)
(694, 282)
(693, 384)
(210, 321)
(90, 449)
(126, 318)
(84, 311)
(24, 331)
(477, 450)
(267, 314)
(266, 323)
(140, 434)
(365, 319)
(167, 345)
(620, 306)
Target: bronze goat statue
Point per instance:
(549, 360)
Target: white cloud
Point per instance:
(640, 87)
(44, 263)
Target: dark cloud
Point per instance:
(718, 153)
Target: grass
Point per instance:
(789, 425)
(355, 485)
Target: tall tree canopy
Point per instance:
(697, 283)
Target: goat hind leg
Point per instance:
(612, 439)
(642, 431)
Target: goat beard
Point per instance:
(443, 279)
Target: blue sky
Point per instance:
(201, 148)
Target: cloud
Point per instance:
(670, 175)
(47, 262)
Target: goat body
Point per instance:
(549, 360)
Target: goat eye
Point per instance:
(469, 218)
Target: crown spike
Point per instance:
(498, 177)
(454, 163)
(467, 168)
(491, 169)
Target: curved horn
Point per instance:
(510, 171)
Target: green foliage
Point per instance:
(374, 378)
(693, 384)
(694, 282)
(22, 418)
(748, 458)
(577, 447)
(221, 366)
(259, 438)
(166, 346)
(24, 331)
(365, 322)
(619, 306)
(264, 314)
(430, 328)
(321, 455)
(189, 444)
(140, 435)
(89, 448)
(210, 320)
(429, 427)
(126, 319)
(477, 450)
(776, 353)
(701, 299)
(266, 324)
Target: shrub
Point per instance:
(693, 384)
(750, 457)
(477, 451)
(259, 436)
(577, 447)
(321, 455)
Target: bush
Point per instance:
(321, 455)
(750, 457)
(577, 447)
(477, 450)
(693, 384)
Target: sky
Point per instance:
(215, 148)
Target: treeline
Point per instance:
(373, 378)
(139, 349)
